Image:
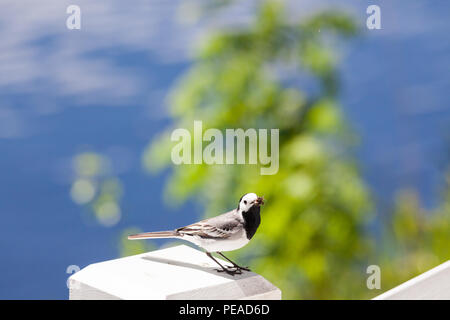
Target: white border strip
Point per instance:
(433, 284)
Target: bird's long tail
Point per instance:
(154, 235)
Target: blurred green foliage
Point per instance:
(96, 187)
(414, 239)
(317, 234)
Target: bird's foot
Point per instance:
(242, 268)
(230, 270)
(235, 266)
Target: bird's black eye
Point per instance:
(245, 201)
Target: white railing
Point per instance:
(182, 272)
(431, 285)
(179, 272)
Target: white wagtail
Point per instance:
(227, 232)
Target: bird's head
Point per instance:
(249, 200)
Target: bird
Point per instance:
(226, 232)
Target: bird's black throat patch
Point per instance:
(252, 219)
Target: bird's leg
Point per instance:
(237, 271)
(234, 264)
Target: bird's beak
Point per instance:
(259, 201)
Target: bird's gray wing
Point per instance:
(222, 226)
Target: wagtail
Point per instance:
(227, 232)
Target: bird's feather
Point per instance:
(158, 234)
(222, 226)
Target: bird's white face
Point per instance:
(249, 200)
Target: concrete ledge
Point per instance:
(431, 285)
(179, 272)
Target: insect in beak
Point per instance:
(259, 201)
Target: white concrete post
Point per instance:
(431, 285)
(179, 272)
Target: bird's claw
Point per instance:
(232, 270)
(244, 268)
(238, 267)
